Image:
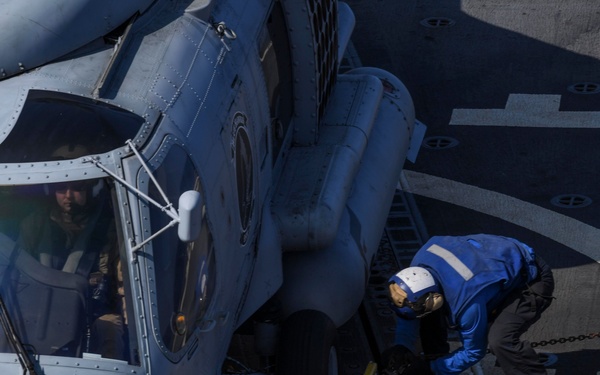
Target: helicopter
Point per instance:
(208, 163)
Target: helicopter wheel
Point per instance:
(308, 345)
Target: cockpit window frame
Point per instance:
(148, 257)
(103, 191)
(46, 119)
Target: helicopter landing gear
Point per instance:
(308, 345)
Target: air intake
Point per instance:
(314, 47)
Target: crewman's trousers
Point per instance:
(516, 314)
(511, 319)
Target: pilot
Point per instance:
(76, 233)
(490, 289)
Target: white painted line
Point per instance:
(572, 233)
(525, 110)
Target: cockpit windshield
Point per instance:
(48, 120)
(62, 273)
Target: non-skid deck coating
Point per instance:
(515, 85)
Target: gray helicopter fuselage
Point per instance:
(292, 164)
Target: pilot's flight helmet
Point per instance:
(69, 151)
(414, 293)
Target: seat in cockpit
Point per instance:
(46, 306)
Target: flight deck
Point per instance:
(510, 94)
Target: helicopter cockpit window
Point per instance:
(51, 119)
(61, 274)
(184, 272)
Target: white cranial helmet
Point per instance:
(413, 292)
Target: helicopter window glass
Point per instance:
(184, 271)
(63, 241)
(274, 49)
(48, 120)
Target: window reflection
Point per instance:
(184, 271)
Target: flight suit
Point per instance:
(52, 238)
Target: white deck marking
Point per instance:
(572, 233)
(524, 110)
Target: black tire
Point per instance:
(308, 345)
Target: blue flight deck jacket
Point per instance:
(475, 273)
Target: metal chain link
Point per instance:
(563, 340)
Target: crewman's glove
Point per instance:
(398, 360)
